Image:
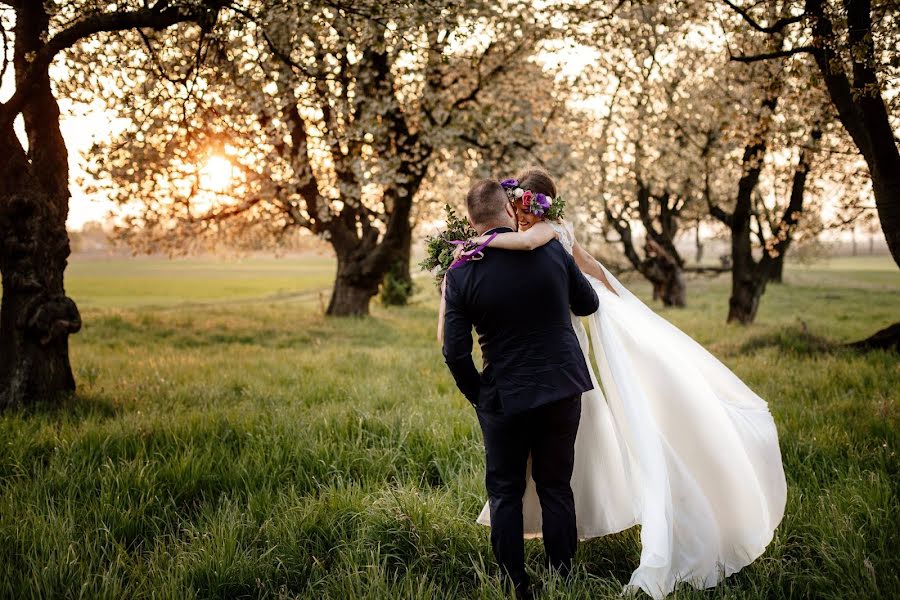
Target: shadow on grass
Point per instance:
(212, 330)
(69, 406)
(797, 340)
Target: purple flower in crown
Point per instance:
(509, 183)
(538, 204)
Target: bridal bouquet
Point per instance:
(439, 248)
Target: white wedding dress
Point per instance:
(678, 444)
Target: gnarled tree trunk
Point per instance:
(748, 276)
(662, 265)
(666, 276)
(353, 290)
(363, 264)
(397, 284)
(36, 316)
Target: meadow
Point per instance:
(228, 441)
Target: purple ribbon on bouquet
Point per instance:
(471, 254)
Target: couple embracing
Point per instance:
(674, 442)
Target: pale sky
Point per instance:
(79, 131)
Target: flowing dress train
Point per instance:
(675, 442)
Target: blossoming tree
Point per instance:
(36, 315)
(330, 117)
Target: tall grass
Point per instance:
(257, 449)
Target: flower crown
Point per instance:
(538, 204)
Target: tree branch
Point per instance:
(5, 53)
(714, 209)
(776, 27)
(705, 270)
(751, 58)
(226, 213)
(158, 17)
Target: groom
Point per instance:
(528, 397)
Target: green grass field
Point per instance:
(227, 441)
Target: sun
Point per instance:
(216, 174)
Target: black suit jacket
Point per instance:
(519, 303)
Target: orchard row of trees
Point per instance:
(352, 120)
(748, 119)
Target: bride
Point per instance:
(674, 442)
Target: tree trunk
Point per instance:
(860, 105)
(364, 261)
(36, 317)
(667, 279)
(698, 244)
(397, 285)
(403, 262)
(675, 292)
(778, 269)
(744, 300)
(749, 277)
(349, 299)
(887, 200)
(746, 290)
(354, 287)
(662, 265)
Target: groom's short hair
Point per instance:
(486, 201)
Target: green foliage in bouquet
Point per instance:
(557, 209)
(439, 250)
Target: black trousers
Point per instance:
(548, 433)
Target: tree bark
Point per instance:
(675, 292)
(667, 279)
(744, 301)
(662, 265)
(698, 244)
(36, 316)
(397, 284)
(778, 270)
(746, 288)
(749, 277)
(353, 289)
(363, 264)
(364, 260)
(860, 106)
